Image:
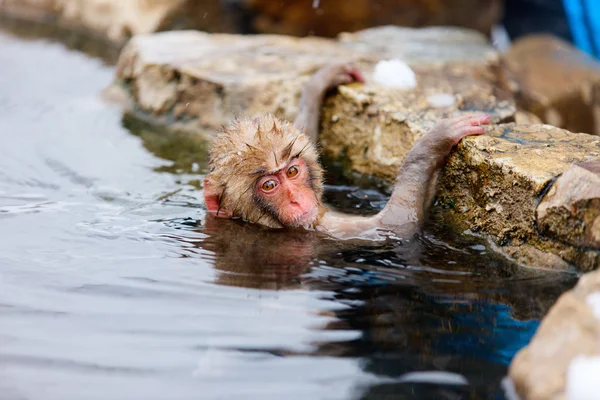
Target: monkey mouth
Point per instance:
(304, 219)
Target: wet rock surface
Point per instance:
(194, 80)
(493, 184)
(199, 81)
(540, 371)
(330, 17)
(570, 211)
(118, 20)
(556, 81)
(372, 128)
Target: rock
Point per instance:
(194, 80)
(433, 45)
(330, 17)
(492, 185)
(199, 81)
(372, 127)
(571, 329)
(118, 20)
(570, 211)
(556, 81)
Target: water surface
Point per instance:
(115, 285)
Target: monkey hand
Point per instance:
(334, 75)
(450, 131)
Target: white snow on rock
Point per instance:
(394, 74)
(583, 379)
(593, 300)
(441, 100)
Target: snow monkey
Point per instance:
(266, 171)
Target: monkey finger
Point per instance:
(471, 119)
(357, 75)
(354, 73)
(480, 119)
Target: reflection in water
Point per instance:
(115, 284)
(420, 306)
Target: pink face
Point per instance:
(288, 192)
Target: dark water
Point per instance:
(114, 285)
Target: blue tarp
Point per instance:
(584, 21)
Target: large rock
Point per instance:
(118, 20)
(330, 17)
(570, 211)
(201, 81)
(372, 128)
(493, 184)
(556, 81)
(425, 46)
(546, 368)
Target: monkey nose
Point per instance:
(294, 197)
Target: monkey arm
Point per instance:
(415, 184)
(311, 101)
(309, 110)
(405, 211)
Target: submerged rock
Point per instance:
(556, 81)
(493, 184)
(118, 20)
(550, 366)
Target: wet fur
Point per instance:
(249, 148)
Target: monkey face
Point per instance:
(264, 171)
(289, 195)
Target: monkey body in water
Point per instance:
(266, 171)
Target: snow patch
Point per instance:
(394, 74)
(593, 300)
(441, 100)
(582, 378)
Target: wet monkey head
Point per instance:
(264, 170)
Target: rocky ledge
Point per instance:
(506, 185)
(533, 189)
(198, 81)
(563, 358)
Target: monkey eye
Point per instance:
(292, 171)
(269, 186)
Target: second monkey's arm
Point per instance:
(311, 101)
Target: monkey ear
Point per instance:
(212, 198)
